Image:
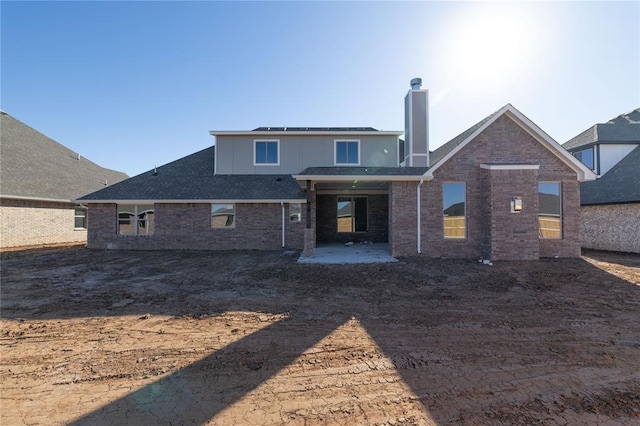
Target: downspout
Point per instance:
(283, 222)
(418, 248)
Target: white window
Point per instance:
(295, 212)
(136, 219)
(80, 218)
(347, 152)
(454, 209)
(223, 215)
(266, 152)
(549, 211)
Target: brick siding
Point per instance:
(614, 227)
(188, 226)
(34, 223)
(492, 231)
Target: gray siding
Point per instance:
(299, 152)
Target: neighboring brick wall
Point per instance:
(377, 216)
(402, 218)
(35, 223)
(188, 226)
(614, 227)
(491, 232)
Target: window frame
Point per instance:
(255, 152)
(560, 212)
(444, 216)
(579, 154)
(335, 152)
(351, 199)
(76, 217)
(295, 217)
(234, 215)
(149, 223)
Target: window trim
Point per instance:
(235, 214)
(335, 152)
(84, 218)
(299, 214)
(561, 213)
(255, 152)
(454, 238)
(136, 219)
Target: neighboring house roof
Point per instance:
(191, 179)
(621, 184)
(35, 167)
(448, 150)
(622, 129)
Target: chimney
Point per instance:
(416, 125)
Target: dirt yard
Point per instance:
(252, 338)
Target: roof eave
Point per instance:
(196, 201)
(361, 178)
(304, 133)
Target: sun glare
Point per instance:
(489, 47)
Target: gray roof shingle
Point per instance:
(33, 165)
(621, 184)
(192, 178)
(624, 128)
(442, 151)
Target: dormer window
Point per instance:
(587, 157)
(266, 153)
(347, 152)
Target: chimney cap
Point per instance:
(416, 83)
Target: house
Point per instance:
(39, 181)
(610, 206)
(502, 189)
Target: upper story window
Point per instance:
(347, 152)
(587, 157)
(454, 209)
(266, 152)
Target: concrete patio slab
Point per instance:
(356, 253)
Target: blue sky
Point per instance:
(131, 85)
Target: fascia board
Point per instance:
(26, 198)
(304, 133)
(363, 178)
(220, 201)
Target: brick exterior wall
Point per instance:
(402, 218)
(188, 226)
(614, 227)
(34, 223)
(377, 217)
(492, 231)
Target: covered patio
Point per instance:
(336, 253)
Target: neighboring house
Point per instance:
(39, 181)
(503, 189)
(610, 206)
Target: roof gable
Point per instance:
(34, 166)
(451, 148)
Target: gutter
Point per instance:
(283, 223)
(200, 201)
(418, 248)
(21, 197)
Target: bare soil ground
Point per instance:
(252, 338)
